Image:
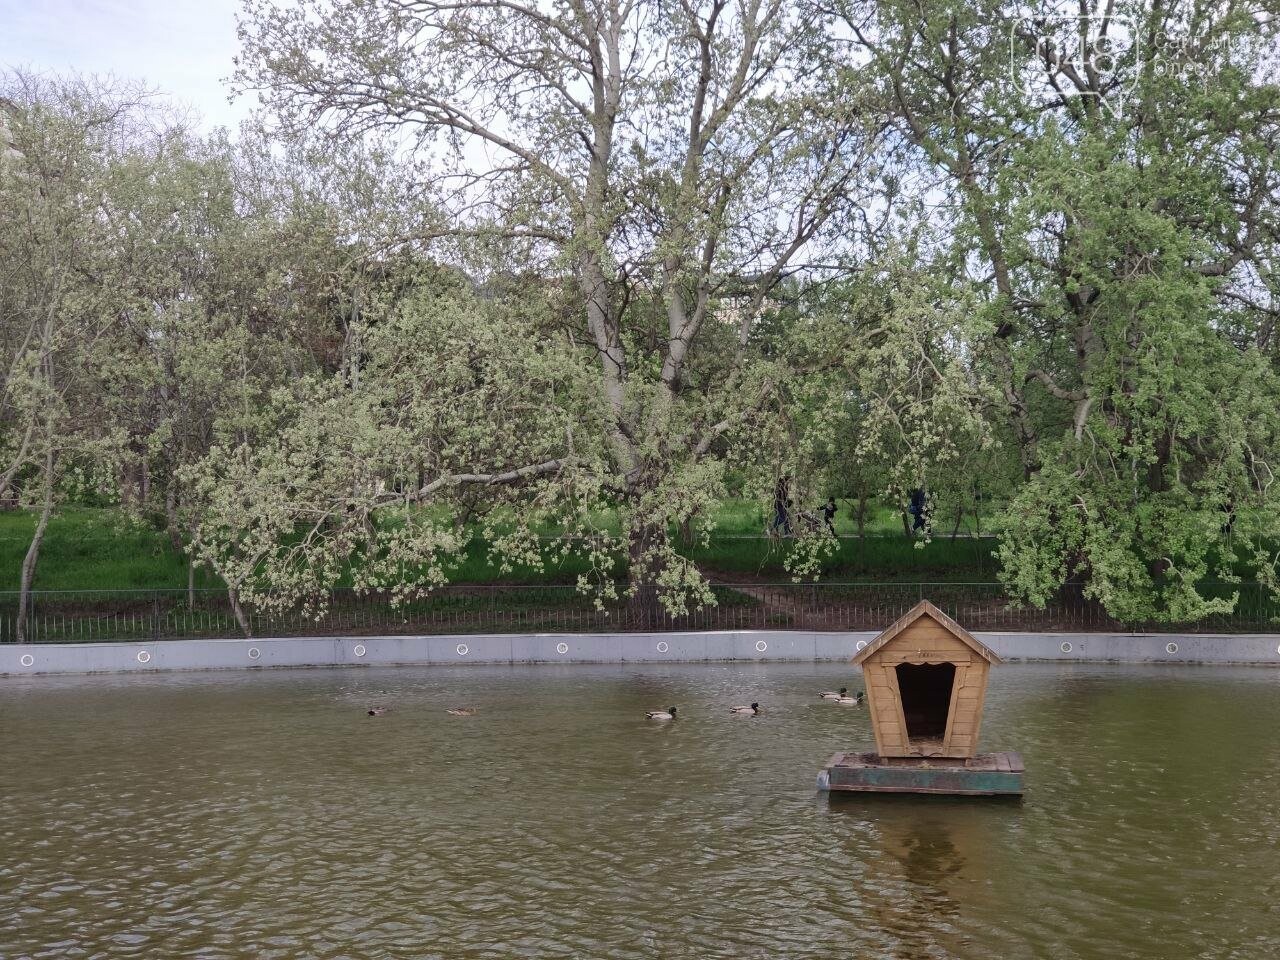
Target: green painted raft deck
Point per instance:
(986, 775)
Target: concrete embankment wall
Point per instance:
(745, 646)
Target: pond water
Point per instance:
(265, 815)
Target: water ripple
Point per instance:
(265, 815)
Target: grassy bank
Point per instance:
(102, 549)
(89, 549)
(883, 557)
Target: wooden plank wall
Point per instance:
(926, 641)
(885, 704)
(965, 718)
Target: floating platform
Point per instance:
(986, 775)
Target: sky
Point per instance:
(183, 48)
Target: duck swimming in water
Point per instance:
(750, 711)
(832, 695)
(377, 711)
(667, 714)
(854, 701)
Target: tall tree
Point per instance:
(1112, 190)
(667, 165)
(232, 290)
(63, 233)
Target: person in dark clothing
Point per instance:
(919, 508)
(829, 514)
(782, 506)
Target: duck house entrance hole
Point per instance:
(926, 698)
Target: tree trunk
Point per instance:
(191, 584)
(131, 493)
(33, 551)
(238, 612)
(862, 518)
(642, 574)
(171, 514)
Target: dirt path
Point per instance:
(781, 599)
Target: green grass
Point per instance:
(886, 558)
(737, 517)
(104, 549)
(474, 567)
(92, 549)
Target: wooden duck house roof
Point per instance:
(926, 609)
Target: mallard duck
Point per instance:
(377, 711)
(667, 714)
(832, 695)
(854, 701)
(461, 711)
(749, 711)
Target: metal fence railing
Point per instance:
(89, 616)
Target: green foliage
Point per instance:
(1118, 229)
(605, 276)
(365, 471)
(1173, 411)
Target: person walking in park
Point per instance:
(919, 508)
(829, 515)
(782, 507)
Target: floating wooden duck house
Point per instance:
(926, 679)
